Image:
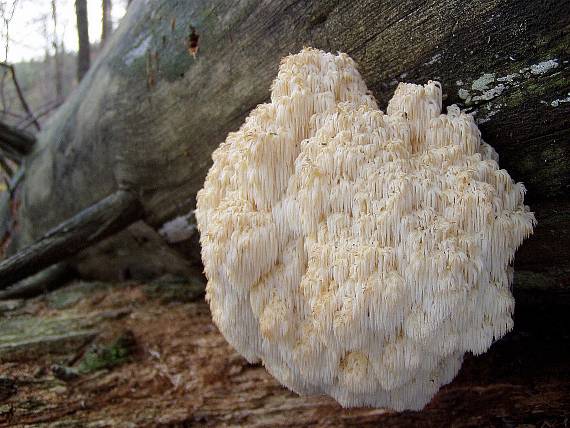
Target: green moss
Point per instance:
(514, 99)
(559, 44)
(166, 54)
(172, 290)
(554, 176)
(23, 329)
(533, 280)
(319, 13)
(108, 356)
(70, 295)
(35, 348)
(32, 404)
(556, 83)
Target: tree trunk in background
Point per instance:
(84, 55)
(57, 55)
(107, 22)
(149, 115)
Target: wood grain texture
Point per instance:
(149, 114)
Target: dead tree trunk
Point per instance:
(57, 55)
(149, 114)
(106, 21)
(83, 55)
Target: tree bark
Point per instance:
(47, 280)
(83, 55)
(150, 115)
(107, 22)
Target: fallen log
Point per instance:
(149, 113)
(42, 282)
(88, 227)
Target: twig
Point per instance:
(42, 112)
(7, 169)
(15, 115)
(20, 94)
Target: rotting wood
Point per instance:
(88, 227)
(47, 280)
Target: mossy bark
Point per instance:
(148, 114)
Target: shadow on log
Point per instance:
(14, 143)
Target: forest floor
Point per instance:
(135, 355)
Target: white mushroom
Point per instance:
(356, 253)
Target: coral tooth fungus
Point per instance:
(355, 253)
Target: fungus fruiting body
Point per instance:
(355, 253)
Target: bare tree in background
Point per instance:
(7, 10)
(107, 23)
(57, 55)
(83, 56)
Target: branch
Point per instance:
(15, 143)
(47, 280)
(14, 115)
(20, 94)
(6, 169)
(42, 111)
(90, 226)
